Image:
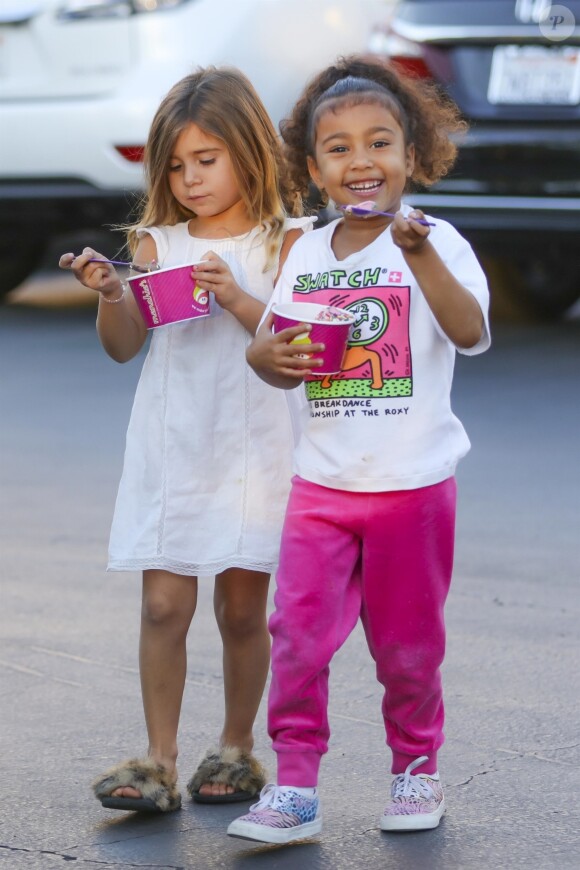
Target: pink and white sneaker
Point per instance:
(417, 802)
(280, 816)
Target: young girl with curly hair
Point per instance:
(369, 528)
(207, 460)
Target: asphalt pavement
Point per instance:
(69, 693)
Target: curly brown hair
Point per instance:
(427, 115)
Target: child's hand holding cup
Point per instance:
(328, 327)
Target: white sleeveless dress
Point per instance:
(207, 463)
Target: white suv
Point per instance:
(81, 79)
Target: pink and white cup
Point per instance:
(169, 296)
(330, 326)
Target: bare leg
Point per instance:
(168, 604)
(240, 599)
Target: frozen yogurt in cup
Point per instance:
(169, 295)
(330, 326)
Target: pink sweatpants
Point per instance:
(386, 557)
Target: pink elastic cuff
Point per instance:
(298, 768)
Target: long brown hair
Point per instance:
(222, 102)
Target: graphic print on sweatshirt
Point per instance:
(377, 362)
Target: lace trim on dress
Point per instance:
(190, 569)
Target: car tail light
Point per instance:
(132, 153)
(407, 55)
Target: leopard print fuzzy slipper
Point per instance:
(158, 792)
(231, 766)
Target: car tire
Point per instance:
(549, 284)
(541, 287)
(20, 256)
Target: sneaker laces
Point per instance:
(407, 784)
(271, 797)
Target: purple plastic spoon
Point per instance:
(150, 267)
(114, 262)
(367, 208)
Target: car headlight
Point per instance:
(75, 9)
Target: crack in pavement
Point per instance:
(472, 777)
(62, 855)
(515, 753)
(534, 753)
(66, 857)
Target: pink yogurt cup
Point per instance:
(169, 296)
(333, 334)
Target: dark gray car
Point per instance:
(513, 67)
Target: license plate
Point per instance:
(534, 75)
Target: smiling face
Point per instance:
(201, 175)
(360, 154)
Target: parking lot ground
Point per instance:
(69, 692)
